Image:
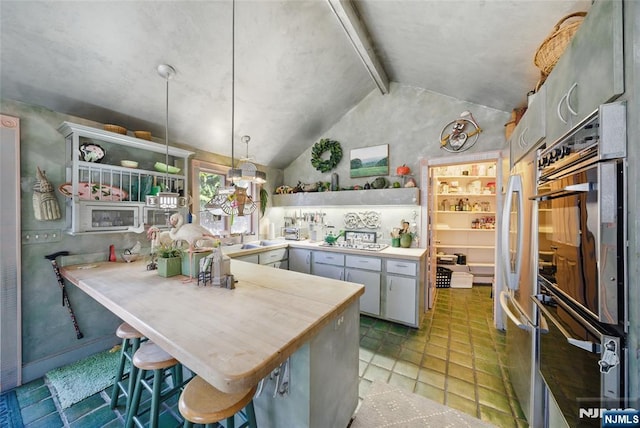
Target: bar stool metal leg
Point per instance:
(150, 359)
(131, 339)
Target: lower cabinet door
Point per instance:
(282, 264)
(370, 300)
(300, 260)
(401, 299)
(328, 271)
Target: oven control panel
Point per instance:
(580, 145)
(600, 136)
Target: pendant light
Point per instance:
(234, 200)
(247, 171)
(166, 199)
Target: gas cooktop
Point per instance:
(369, 246)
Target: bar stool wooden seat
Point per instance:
(150, 357)
(125, 380)
(201, 403)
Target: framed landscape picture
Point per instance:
(369, 161)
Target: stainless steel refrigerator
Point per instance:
(519, 261)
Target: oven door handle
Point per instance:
(565, 191)
(586, 345)
(504, 297)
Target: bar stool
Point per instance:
(130, 342)
(201, 403)
(150, 357)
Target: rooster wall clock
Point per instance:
(460, 134)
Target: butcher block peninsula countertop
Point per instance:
(232, 338)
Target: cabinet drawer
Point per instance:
(328, 258)
(401, 267)
(272, 256)
(369, 263)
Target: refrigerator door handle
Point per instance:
(512, 277)
(504, 297)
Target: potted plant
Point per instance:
(169, 261)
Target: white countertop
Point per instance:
(389, 252)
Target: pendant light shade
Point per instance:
(247, 171)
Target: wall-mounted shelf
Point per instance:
(105, 197)
(402, 196)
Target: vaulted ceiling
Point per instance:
(296, 71)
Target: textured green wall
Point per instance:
(48, 336)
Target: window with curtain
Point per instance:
(207, 178)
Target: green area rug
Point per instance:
(82, 379)
(10, 416)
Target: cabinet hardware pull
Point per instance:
(523, 143)
(307, 259)
(564, 97)
(390, 284)
(571, 110)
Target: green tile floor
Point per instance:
(456, 357)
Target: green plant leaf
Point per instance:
(264, 199)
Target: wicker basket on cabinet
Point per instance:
(552, 48)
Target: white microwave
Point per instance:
(108, 217)
(160, 217)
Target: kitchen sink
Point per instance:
(263, 243)
(250, 245)
(268, 243)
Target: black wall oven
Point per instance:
(581, 265)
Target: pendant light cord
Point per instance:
(233, 72)
(166, 137)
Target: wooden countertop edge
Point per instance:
(248, 380)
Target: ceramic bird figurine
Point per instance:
(189, 232)
(158, 238)
(45, 204)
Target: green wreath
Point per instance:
(322, 146)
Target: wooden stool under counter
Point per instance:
(150, 357)
(125, 380)
(201, 403)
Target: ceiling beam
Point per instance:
(357, 33)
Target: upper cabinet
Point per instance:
(401, 196)
(109, 175)
(530, 129)
(589, 73)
